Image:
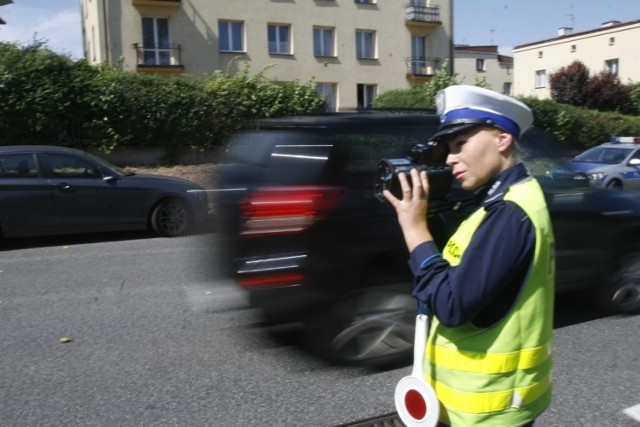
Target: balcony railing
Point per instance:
(156, 57)
(161, 3)
(421, 66)
(417, 12)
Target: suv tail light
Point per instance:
(271, 280)
(287, 209)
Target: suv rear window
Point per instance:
(255, 147)
(344, 155)
(355, 156)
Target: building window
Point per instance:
(323, 42)
(506, 88)
(365, 1)
(541, 78)
(365, 44)
(279, 37)
(155, 41)
(418, 59)
(328, 92)
(612, 41)
(231, 36)
(366, 95)
(540, 54)
(611, 66)
(573, 48)
(480, 64)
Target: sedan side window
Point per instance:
(67, 166)
(18, 166)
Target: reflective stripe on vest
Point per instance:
(496, 401)
(489, 363)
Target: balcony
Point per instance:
(158, 3)
(421, 67)
(420, 15)
(158, 59)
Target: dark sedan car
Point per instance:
(47, 190)
(307, 238)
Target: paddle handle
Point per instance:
(419, 345)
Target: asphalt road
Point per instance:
(144, 332)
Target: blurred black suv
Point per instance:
(304, 234)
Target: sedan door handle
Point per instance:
(64, 187)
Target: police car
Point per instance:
(615, 164)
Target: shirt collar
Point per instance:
(495, 188)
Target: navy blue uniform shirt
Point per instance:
(493, 268)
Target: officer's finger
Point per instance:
(424, 179)
(390, 198)
(417, 185)
(404, 186)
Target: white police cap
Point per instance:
(463, 106)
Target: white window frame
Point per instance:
(278, 46)
(612, 66)
(418, 55)
(506, 88)
(366, 44)
(366, 93)
(481, 64)
(234, 30)
(329, 92)
(541, 78)
(321, 46)
(159, 53)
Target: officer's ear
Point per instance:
(504, 141)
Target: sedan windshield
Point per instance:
(602, 155)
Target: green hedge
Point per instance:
(579, 127)
(44, 95)
(47, 98)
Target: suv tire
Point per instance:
(621, 294)
(373, 328)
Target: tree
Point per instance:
(568, 84)
(606, 93)
(634, 93)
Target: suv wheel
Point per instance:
(371, 329)
(621, 294)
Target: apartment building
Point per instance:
(352, 50)
(612, 47)
(483, 63)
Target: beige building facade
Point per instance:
(475, 64)
(352, 50)
(612, 47)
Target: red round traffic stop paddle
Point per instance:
(415, 400)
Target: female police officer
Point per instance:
(490, 291)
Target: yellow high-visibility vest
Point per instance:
(500, 375)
